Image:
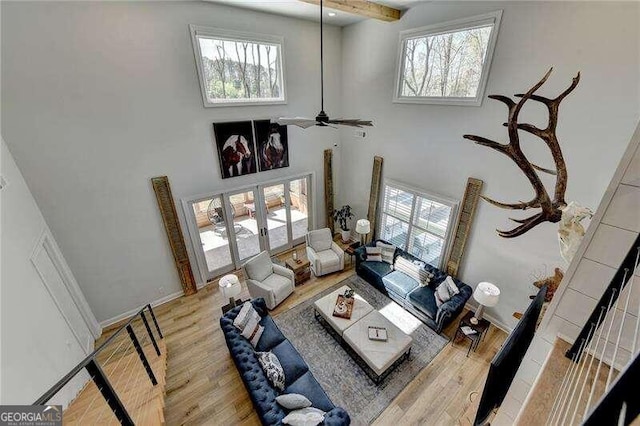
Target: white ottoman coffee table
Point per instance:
(379, 356)
(325, 305)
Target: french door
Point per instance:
(228, 228)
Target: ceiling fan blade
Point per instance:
(296, 121)
(353, 122)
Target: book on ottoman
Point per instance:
(344, 307)
(378, 333)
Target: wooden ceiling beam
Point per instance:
(362, 8)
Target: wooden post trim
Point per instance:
(328, 189)
(174, 233)
(463, 225)
(374, 195)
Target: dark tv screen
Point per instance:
(505, 364)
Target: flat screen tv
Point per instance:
(505, 364)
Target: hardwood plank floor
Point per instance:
(203, 386)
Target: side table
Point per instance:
(351, 251)
(301, 268)
(475, 338)
(232, 304)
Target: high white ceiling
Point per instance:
(298, 9)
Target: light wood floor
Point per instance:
(204, 387)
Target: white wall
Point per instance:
(39, 344)
(422, 145)
(613, 231)
(98, 97)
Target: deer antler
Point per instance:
(550, 208)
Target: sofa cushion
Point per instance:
(413, 269)
(423, 299)
(328, 258)
(399, 283)
(259, 267)
(379, 268)
(280, 285)
(320, 239)
(308, 386)
(293, 364)
(271, 336)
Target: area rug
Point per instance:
(345, 382)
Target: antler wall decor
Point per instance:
(551, 209)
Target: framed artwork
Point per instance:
(272, 144)
(236, 150)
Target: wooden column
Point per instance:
(374, 195)
(463, 226)
(328, 189)
(174, 233)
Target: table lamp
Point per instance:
(230, 288)
(363, 227)
(486, 294)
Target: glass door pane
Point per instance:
(298, 196)
(212, 231)
(277, 217)
(246, 227)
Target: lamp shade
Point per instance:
(229, 286)
(363, 226)
(486, 294)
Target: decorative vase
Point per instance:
(346, 235)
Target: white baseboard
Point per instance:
(131, 312)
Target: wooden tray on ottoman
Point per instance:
(349, 302)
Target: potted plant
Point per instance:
(342, 216)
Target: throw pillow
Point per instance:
(452, 285)
(248, 322)
(388, 250)
(293, 401)
(309, 416)
(445, 291)
(272, 369)
(413, 269)
(374, 254)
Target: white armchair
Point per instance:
(323, 253)
(273, 283)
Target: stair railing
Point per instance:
(91, 365)
(603, 400)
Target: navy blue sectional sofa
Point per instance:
(406, 291)
(298, 378)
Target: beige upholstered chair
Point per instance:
(272, 282)
(323, 253)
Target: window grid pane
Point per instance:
(398, 203)
(240, 70)
(432, 216)
(426, 246)
(445, 65)
(416, 223)
(394, 231)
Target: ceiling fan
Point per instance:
(322, 119)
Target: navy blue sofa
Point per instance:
(298, 378)
(406, 291)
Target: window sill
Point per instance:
(243, 103)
